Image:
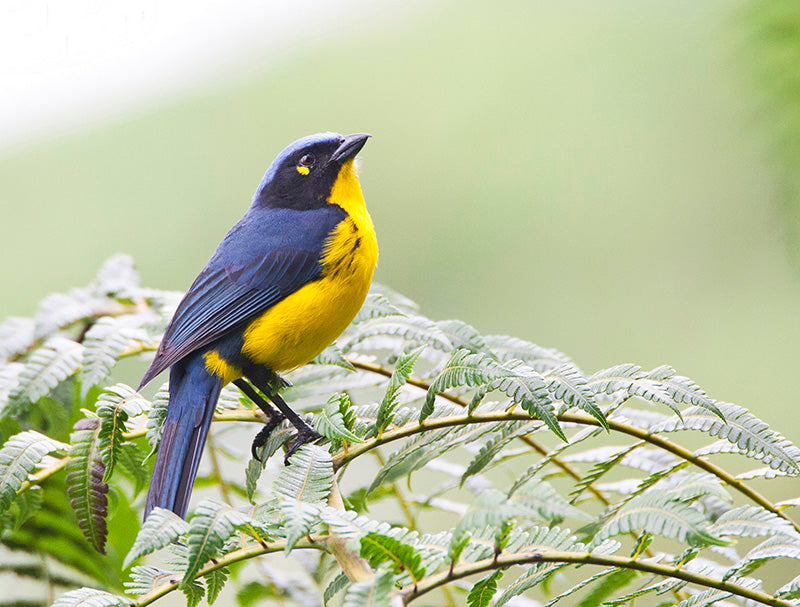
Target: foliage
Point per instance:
(469, 469)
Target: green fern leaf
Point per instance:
(751, 521)
(60, 310)
(338, 584)
(790, 590)
(374, 592)
(380, 549)
(610, 580)
(540, 359)
(156, 417)
(19, 457)
(48, 366)
(332, 355)
(567, 383)
(145, 578)
(539, 500)
(131, 458)
(194, 592)
(771, 548)
(89, 597)
(85, 487)
(9, 382)
(520, 383)
(409, 329)
(161, 528)
(660, 513)
(303, 487)
(117, 277)
(330, 422)
(495, 445)
(209, 528)
(215, 581)
(741, 428)
(483, 591)
(115, 406)
(103, 343)
(462, 335)
(16, 336)
(376, 305)
(403, 368)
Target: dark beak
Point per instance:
(350, 146)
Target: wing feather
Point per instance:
(262, 260)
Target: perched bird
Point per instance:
(283, 284)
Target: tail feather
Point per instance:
(193, 394)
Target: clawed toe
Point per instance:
(304, 435)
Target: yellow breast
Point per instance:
(295, 330)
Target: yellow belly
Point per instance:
(295, 330)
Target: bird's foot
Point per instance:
(305, 434)
(275, 418)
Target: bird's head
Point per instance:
(303, 174)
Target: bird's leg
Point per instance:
(274, 417)
(305, 433)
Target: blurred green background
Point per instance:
(589, 176)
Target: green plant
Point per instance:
(456, 468)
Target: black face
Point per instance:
(302, 176)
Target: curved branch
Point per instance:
(236, 556)
(584, 558)
(653, 439)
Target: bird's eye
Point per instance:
(307, 161)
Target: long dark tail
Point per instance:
(193, 394)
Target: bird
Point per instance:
(282, 285)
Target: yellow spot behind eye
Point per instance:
(303, 170)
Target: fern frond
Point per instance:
(567, 383)
(115, 406)
(519, 382)
(330, 422)
(103, 343)
(209, 528)
(49, 365)
(336, 585)
(403, 368)
(16, 336)
(9, 382)
(495, 445)
(161, 528)
(540, 359)
(660, 513)
(90, 597)
(146, 578)
(410, 329)
(215, 581)
(379, 549)
(373, 592)
(303, 487)
(332, 355)
(117, 277)
(751, 521)
(19, 457)
(741, 428)
(790, 590)
(63, 309)
(484, 590)
(156, 417)
(462, 335)
(85, 486)
(376, 305)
